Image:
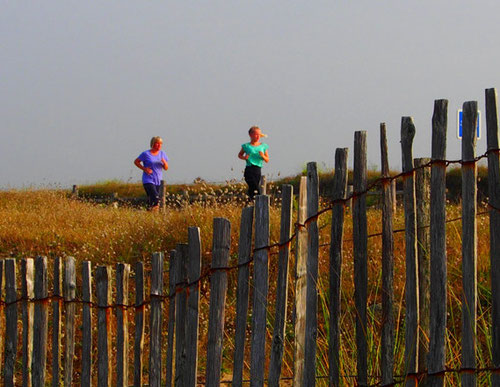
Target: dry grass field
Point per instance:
(48, 222)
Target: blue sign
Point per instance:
(459, 124)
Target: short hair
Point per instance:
(154, 140)
(252, 129)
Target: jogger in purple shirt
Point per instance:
(153, 162)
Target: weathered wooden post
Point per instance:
(469, 242)
(122, 278)
(411, 287)
(86, 375)
(337, 237)
(27, 295)
(57, 305)
(69, 293)
(181, 257)
(155, 321)
(171, 319)
(263, 185)
(242, 297)
(103, 288)
(218, 289)
(139, 318)
(388, 189)
(422, 191)
(278, 345)
(494, 201)
(437, 330)
(300, 285)
(40, 318)
(162, 195)
(360, 237)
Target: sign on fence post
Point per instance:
(460, 126)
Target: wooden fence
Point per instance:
(173, 352)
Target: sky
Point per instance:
(85, 85)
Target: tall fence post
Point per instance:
(360, 238)
(2, 314)
(469, 242)
(171, 319)
(27, 294)
(218, 289)
(411, 286)
(312, 275)
(494, 202)
(242, 297)
(278, 344)
(422, 187)
(69, 291)
(103, 287)
(437, 328)
(86, 375)
(300, 285)
(41, 320)
(122, 278)
(387, 351)
(139, 322)
(155, 321)
(337, 239)
(192, 318)
(181, 257)
(56, 321)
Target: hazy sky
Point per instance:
(85, 85)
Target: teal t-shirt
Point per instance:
(253, 153)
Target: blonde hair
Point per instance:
(252, 129)
(154, 140)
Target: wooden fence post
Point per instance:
(171, 318)
(437, 328)
(69, 326)
(27, 295)
(337, 238)
(122, 278)
(155, 321)
(312, 276)
(360, 237)
(469, 242)
(139, 323)
(411, 287)
(181, 257)
(422, 187)
(218, 290)
(192, 318)
(162, 195)
(56, 322)
(103, 289)
(242, 297)
(388, 187)
(263, 185)
(300, 285)
(41, 320)
(494, 202)
(2, 314)
(278, 344)
(86, 376)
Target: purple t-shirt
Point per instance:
(153, 162)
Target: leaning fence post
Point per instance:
(337, 237)
(171, 319)
(422, 187)
(69, 326)
(86, 376)
(278, 344)
(103, 287)
(494, 202)
(56, 322)
(155, 321)
(242, 297)
(312, 275)
(40, 318)
(139, 323)
(122, 278)
(469, 242)
(360, 237)
(387, 351)
(411, 287)
(300, 285)
(181, 257)
(27, 294)
(437, 329)
(192, 319)
(218, 289)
